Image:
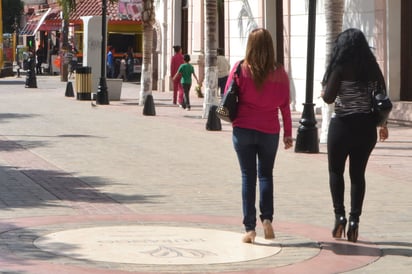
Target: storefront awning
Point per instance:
(34, 23)
(51, 25)
(53, 21)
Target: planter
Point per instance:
(114, 89)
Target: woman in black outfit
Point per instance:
(351, 75)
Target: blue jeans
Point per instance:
(110, 71)
(256, 152)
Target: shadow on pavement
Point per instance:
(13, 82)
(348, 249)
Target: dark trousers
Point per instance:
(110, 71)
(186, 95)
(352, 137)
(38, 68)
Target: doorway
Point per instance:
(406, 51)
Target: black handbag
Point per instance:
(227, 109)
(381, 106)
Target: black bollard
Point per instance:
(69, 90)
(213, 122)
(149, 106)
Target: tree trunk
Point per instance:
(146, 76)
(148, 17)
(64, 65)
(333, 16)
(211, 73)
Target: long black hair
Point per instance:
(351, 48)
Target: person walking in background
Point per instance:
(129, 64)
(264, 91)
(177, 60)
(186, 71)
(223, 68)
(40, 59)
(348, 80)
(110, 63)
(122, 69)
(72, 57)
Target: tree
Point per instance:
(148, 17)
(334, 17)
(67, 6)
(12, 10)
(211, 73)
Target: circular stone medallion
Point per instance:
(158, 245)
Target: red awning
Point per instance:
(51, 25)
(53, 21)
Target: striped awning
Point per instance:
(45, 20)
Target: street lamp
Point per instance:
(15, 43)
(102, 97)
(307, 137)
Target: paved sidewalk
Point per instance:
(105, 189)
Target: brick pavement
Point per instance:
(66, 165)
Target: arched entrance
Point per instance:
(406, 51)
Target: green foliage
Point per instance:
(12, 9)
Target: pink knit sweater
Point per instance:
(259, 109)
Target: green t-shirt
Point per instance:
(186, 70)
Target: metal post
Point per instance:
(16, 43)
(307, 137)
(102, 97)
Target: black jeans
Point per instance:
(186, 95)
(353, 136)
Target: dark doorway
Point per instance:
(279, 32)
(184, 27)
(221, 24)
(155, 60)
(406, 51)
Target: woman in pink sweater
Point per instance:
(264, 91)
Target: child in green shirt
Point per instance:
(186, 70)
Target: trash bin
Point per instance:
(84, 83)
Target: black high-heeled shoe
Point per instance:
(340, 226)
(353, 231)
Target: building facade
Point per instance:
(385, 23)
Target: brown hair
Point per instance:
(260, 55)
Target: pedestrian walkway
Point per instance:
(106, 189)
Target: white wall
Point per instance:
(393, 39)
(358, 14)
(241, 20)
(298, 52)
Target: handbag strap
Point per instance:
(238, 68)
